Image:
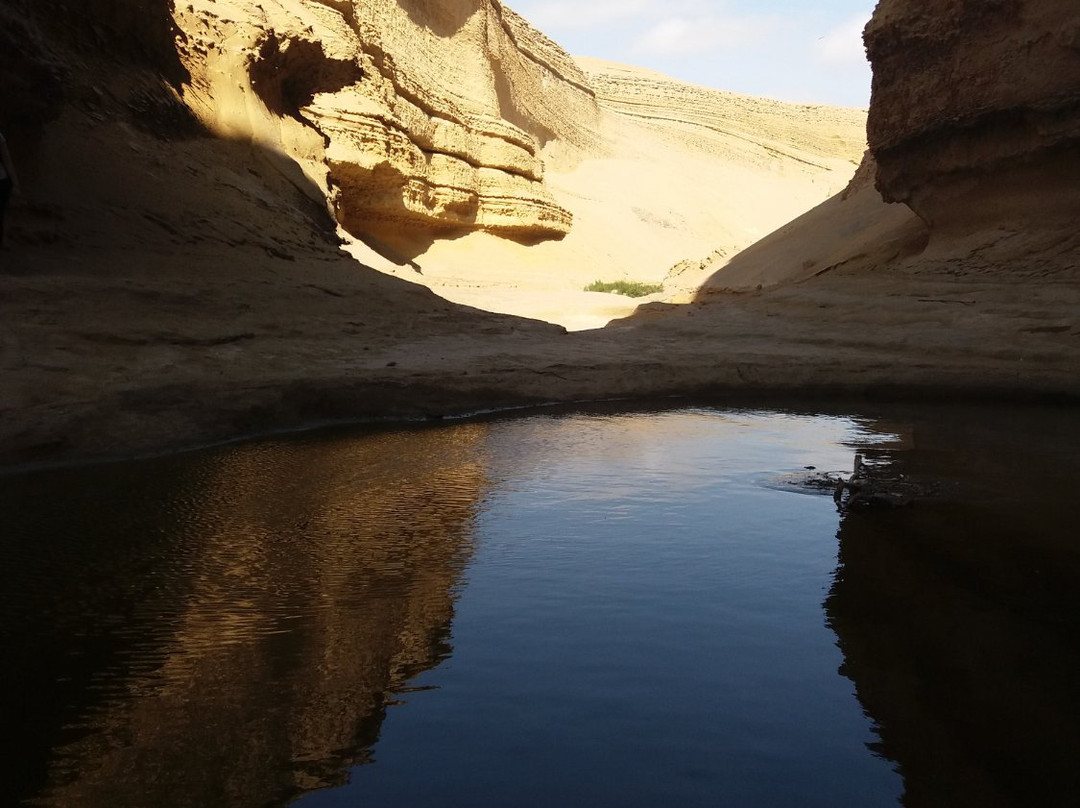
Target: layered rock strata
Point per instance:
(753, 131)
(975, 115)
(416, 117)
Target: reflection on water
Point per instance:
(960, 619)
(601, 610)
(223, 629)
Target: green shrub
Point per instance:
(628, 288)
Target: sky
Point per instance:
(808, 51)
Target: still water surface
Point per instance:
(603, 610)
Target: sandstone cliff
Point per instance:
(974, 127)
(168, 287)
(420, 122)
(775, 135)
(416, 118)
(854, 230)
(678, 172)
(975, 117)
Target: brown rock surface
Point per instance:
(175, 279)
(975, 115)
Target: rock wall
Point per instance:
(975, 114)
(418, 117)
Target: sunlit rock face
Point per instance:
(975, 115)
(417, 115)
(779, 136)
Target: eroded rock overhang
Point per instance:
(414, 117)
(975, 115)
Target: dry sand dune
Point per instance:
(853, 229)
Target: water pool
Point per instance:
(575, 609)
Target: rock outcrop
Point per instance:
(974, 126)
(975, 115)
(416, 117)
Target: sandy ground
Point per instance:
(680, 173)
(160, 295)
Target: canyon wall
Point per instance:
(165, 287)
(974, 126)
(408, 116)
(975, 114)
(415, 117)
(760, 132)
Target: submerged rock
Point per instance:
(867, 486)
(877, 487)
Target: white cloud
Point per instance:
(556, 16)
(764, 47)
(843, 45)
(682, 36)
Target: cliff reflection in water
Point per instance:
(228, 628)
(239, 648)
(959, 620)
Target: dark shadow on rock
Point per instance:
(32, 74)
(157, 109)
(442, 19)
(138, 32)
(289, 73)
(529, 238)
